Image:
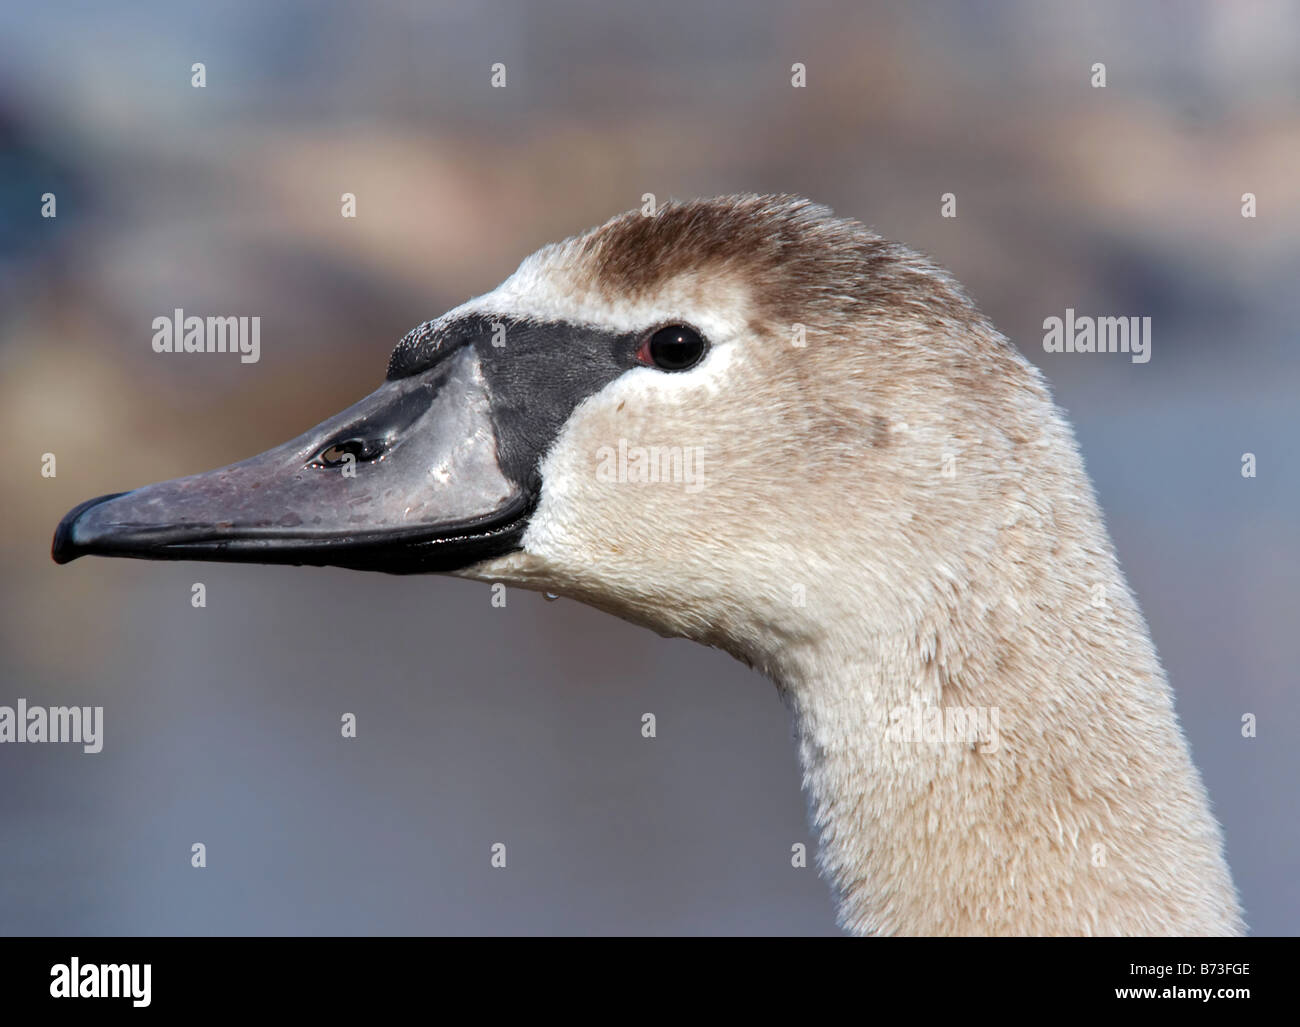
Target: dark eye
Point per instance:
(336, 453)
(674, 348)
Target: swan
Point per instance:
(751, 423)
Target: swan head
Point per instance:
(687, 419)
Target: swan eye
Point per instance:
(336, 453)
(674, 348)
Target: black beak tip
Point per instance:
(66, 548)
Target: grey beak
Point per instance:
(407, 480)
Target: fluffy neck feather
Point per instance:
(1079, 813)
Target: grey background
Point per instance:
(521, 725)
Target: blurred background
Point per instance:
(521, 725)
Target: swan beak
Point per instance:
(407, 480)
